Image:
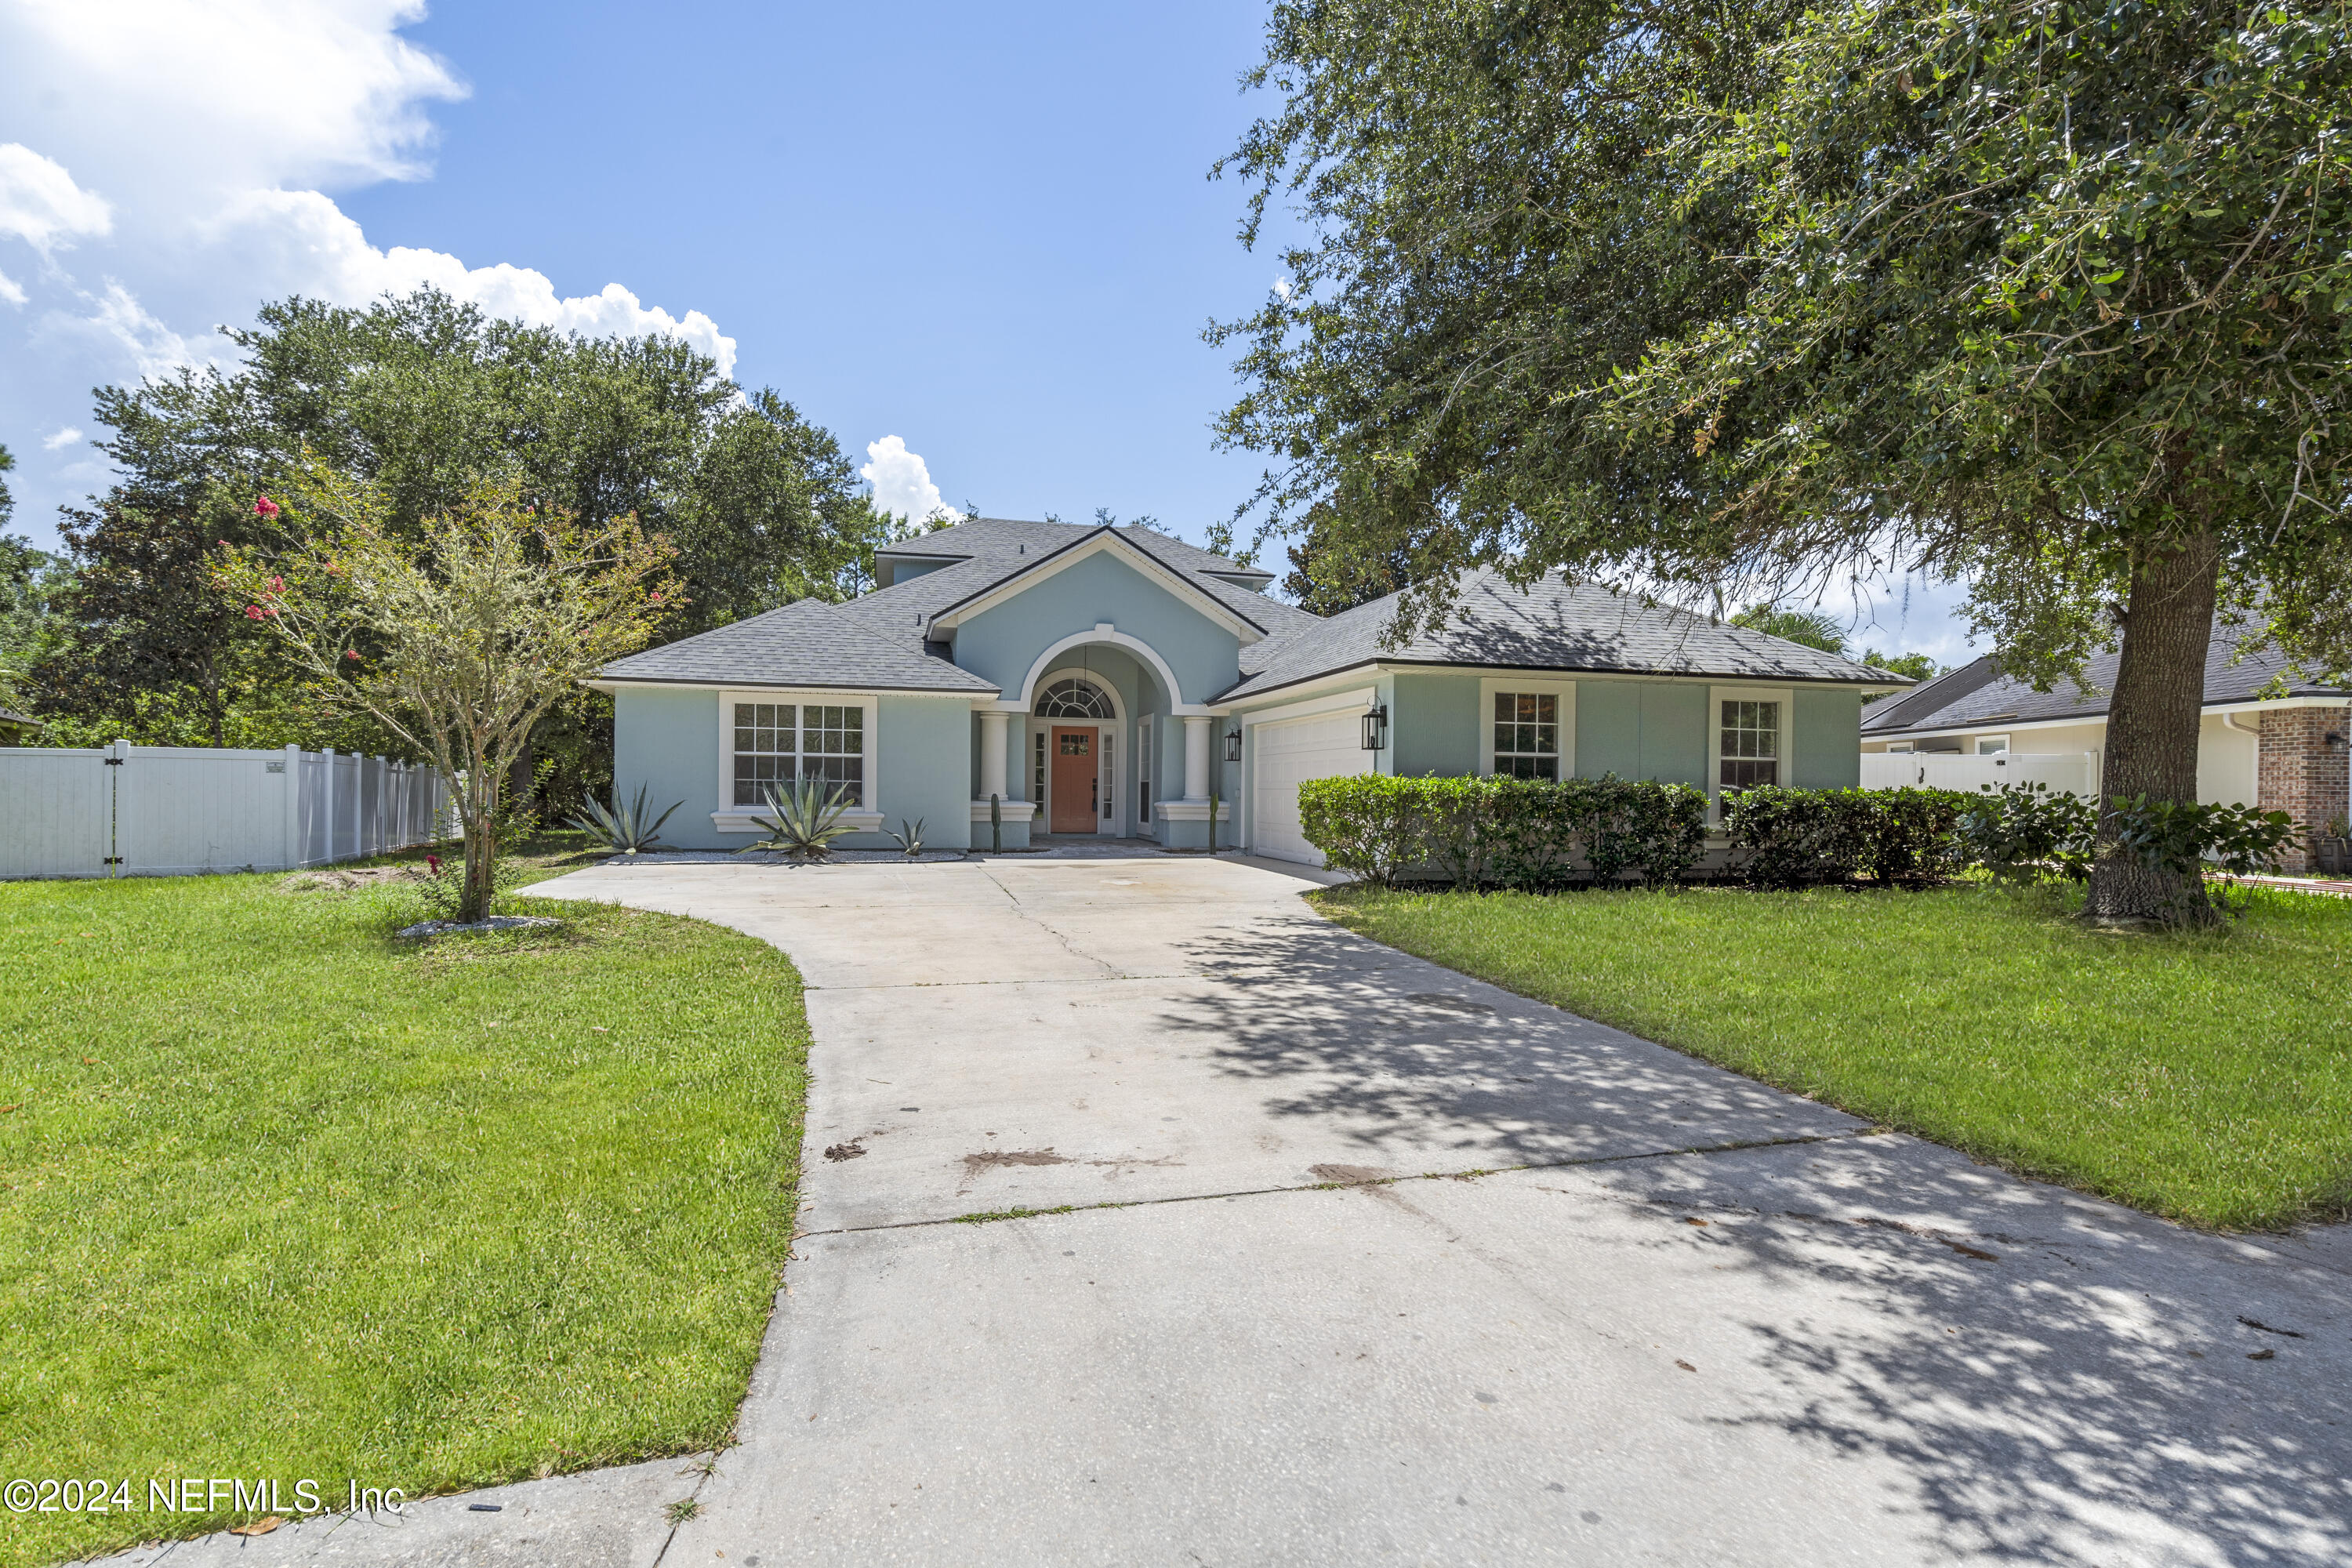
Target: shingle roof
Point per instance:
(876, 641)
(1553, 625)
(992, 548)
(1979, 694)
(807, 643)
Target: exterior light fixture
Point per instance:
(1376, 728)
(1233, 745)
(2335, 743)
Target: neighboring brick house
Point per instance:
(2290, 752)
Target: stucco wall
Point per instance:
(1651, 730)
(1824, 737)
(668, 741)
(1434, 723)
(1001, 644)
(923, 769)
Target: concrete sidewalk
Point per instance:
(1685, 1319)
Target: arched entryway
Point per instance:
(1074, 763)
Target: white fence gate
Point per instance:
(2062, 770)
(176, 811)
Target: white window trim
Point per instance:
(1716, 696)
(1565, 690)
(1978, 743)
(1901, 749)
(729, 818)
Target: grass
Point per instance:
(282, 1197)
(2204, 1077)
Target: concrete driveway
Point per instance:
(1622, 1307)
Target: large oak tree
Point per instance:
(2052, 298)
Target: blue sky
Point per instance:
(987, 232)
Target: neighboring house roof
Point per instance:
(1978, 695)
(807, 643)
(26, 720)
(1550, 625)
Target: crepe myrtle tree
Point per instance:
(2054, 297)
(458, 641)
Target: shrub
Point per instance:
(2180, 837)
(1455, 825)
(1796, 837)
(1664, 829)
(2021, 830)
(1779, 835)
(1521, 833)
(1915, 836)
(1367, 823)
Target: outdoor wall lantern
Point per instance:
(1376, 728)
(1233, 745)
(2334, 741)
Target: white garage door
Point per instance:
(1288, 754)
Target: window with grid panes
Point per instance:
(1751, 744)
(1527, 734)
(777, 743)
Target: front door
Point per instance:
(1073, 798)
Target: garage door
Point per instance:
(1288, 754)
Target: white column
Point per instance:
(992, 755)
(1196, 759)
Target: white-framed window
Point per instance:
(1526, 727)
(1527, 734)
(1991, 745)
(777, 744)
(1749, 737)
(1107, 794)
(1037, 790)
(1900, 748)
(1748, 751)
(771, 739)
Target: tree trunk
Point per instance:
(481, 869)
(2152, 722)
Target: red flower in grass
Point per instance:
(350, 653)
(265, 506)
(433, 864)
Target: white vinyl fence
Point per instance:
(176, 811)
(2062, 770)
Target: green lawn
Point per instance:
(2207, 1078)
(282, 1197)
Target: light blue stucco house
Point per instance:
(1108, 681)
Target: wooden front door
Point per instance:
(1072, 799)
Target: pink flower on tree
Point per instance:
(265, 506)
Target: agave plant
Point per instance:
(625, 829)
(910, 839)
(803, 822)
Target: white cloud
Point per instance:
(1282, 287)
(65, 437)
(40, 204)
(215, 131)
(902, 483)
(304, 240)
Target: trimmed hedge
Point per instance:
(1518, 833)
(1532, 833)
(1799, 837)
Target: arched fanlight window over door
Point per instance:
(1073, 698)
